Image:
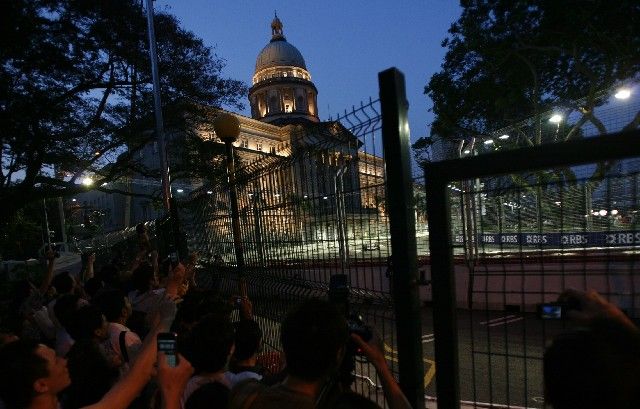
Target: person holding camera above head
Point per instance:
(244, 362)
(596, 365)
(314, 338)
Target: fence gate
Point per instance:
(534, 232)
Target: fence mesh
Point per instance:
(312, 209)
(316, 207)
(519, 240)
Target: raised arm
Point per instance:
(173, 380)
(392, 392)
(88, 271)
(586, 307)
(48, 276)
(126, 390)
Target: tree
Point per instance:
(76, 95)
(510, 62)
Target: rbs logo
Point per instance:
(574, 239)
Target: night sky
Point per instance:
(344, 43)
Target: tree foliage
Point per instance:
(76, 94)
(509, 60)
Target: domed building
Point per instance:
(324, 156)
(282, 92)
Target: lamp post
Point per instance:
(227, 128)
(164, 166)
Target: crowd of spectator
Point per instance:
(93, 343)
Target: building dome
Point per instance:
(282, 91)
(278, 53)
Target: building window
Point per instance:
(245, 143)
(259, 146)
(272, 149)
(287, 108)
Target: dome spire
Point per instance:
(276, 28)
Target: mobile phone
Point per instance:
(168, 343)
(174, 259)
(551, 311)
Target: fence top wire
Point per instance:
(621, 145)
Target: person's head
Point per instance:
(63, 283)
(142, 277)
(22, 290)
(114, 305)
(210, 344)
(596, 367)
(93, 285)
(313, 335)
(110, 275)
(29, 369)
(198, 304)
(89, 324)
(141, 229)
(65, 309)
(248, 339)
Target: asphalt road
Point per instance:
(500, 356)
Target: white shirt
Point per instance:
(64, 342)
(195, 382)
(234, 378)
(131, 340)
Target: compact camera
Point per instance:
(551, 311)
(357, 326)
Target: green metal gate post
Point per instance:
(443, 289)
(399, 185)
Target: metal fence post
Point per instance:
(443, 287)
(395, 141)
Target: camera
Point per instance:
(357, 326)
(551, 311)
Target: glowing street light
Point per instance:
(623, 93)
(602, 212)
(467, 151)
(488, 142)
(614, 212)
(179, 190)
(555, 119)
(87, 181)
(503, 137)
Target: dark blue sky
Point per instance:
(345, 43)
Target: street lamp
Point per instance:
(623, 93)
(227, 128)
(555, 119)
